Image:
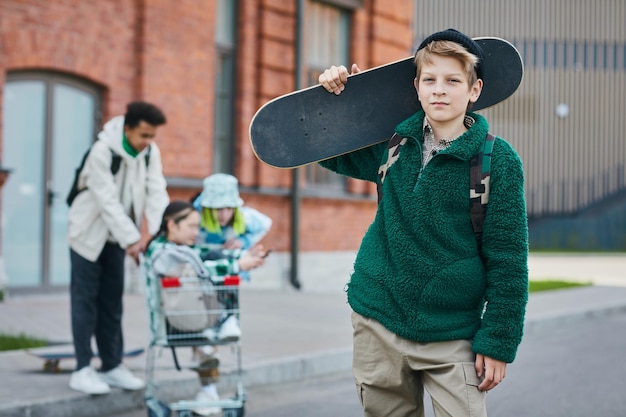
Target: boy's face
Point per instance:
(140, 136)
(443, 90)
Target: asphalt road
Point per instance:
(573, 369)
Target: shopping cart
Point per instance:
(185, 312)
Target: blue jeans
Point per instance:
(96, 306)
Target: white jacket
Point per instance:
(101, 212)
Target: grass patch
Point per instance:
(21, 341)
(547, 285)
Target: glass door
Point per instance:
(23, 133)
(72, 132)
(49, 121)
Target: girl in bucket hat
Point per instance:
(436, 306)
(225, 222)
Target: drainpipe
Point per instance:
(295, 175)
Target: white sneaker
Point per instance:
(210, 334)
(121, 377)
(201, 353)
(87, 380)
(206, 396)
(229, 331)
(207, 350)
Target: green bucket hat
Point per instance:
(220, 191)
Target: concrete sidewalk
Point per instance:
(287, 335)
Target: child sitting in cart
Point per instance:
(166, 254)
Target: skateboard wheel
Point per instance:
(51, 366)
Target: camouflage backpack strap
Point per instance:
(480, 171)
(393, 153)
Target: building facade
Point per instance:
(67, 66)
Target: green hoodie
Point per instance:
(418, 270)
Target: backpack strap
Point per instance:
(147, 157)
(116, 161)
(74, 191)
(480, 172)
(393, 153)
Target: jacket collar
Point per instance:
(113, 135)
(464, 147)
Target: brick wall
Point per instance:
(163, 51)
(177, 55)
(94, 42)
(156, 50)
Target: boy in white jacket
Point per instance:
(103, 227)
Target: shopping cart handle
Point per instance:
(231, 280)
(170, 282)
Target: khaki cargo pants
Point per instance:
(391, 374)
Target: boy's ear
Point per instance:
(415, 84)
(475, 91)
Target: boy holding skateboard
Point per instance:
(436, 306)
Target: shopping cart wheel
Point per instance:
(233, 412)
(157, 408)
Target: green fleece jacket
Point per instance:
(418, 270)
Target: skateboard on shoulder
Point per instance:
(52, 358)
(311, 125)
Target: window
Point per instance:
(328, 30)
(223, 144)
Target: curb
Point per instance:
(555, 319)
(118, 401)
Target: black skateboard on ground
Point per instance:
(52, 358)
(312, 125)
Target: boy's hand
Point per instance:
(134, 250)
(491, 369)
(334, 78)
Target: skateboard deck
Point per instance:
(52, 359)
(311, 125)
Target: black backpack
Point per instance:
(116, 161)
(480, 172)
